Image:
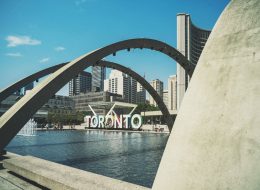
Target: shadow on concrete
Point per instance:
(28, 181)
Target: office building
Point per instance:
(172, 92)
(133, 90)
(190, 42)
(166, 98)
(59, 105)
(158, 86)
(120, 83)
(80, 84)
(98, 77)
(140, 94)
(97, 98)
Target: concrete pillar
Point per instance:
(215, 141)
(182, 47)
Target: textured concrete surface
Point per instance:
(215, 142)
(9, 181)
(57, 176)
(17, 116)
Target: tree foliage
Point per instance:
(145, 107)
(66, 119)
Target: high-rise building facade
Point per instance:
(120, 83)
(98, 77)
(80, 84)
(158, 86)
(140, 94)
(166, 97)
(172, 92)
(133, 90)
(190, 42)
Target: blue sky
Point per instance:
(38, 34)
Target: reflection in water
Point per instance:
(132, 157)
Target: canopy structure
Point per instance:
(115, 107)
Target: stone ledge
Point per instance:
(57, 176)
(2, 152)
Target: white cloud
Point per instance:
(59, 48)
(14, 54)
(14, 41)
(44, 60)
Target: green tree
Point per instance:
(145, 107)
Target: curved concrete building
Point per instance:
(215, 142)
(190, 42)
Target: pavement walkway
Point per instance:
(11, 181)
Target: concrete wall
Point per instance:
(215, 142)
(56, 176)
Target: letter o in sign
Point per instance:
(94, 121)
(139, 124)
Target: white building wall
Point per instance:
(120, 83)
(106, 85)
(190, 42)
(158, 86)
(165, 98)
(172, 92)
(182, 46)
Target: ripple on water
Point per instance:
(132, 157)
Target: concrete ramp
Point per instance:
(57, 176)
(215, 142)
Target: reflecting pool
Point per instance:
(129, 156)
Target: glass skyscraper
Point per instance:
(80, 84)
(98, 77)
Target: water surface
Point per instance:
(132, 157)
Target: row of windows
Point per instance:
(89, 100)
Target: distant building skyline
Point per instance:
(132, 91)
(31, 42)
(190, 42)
